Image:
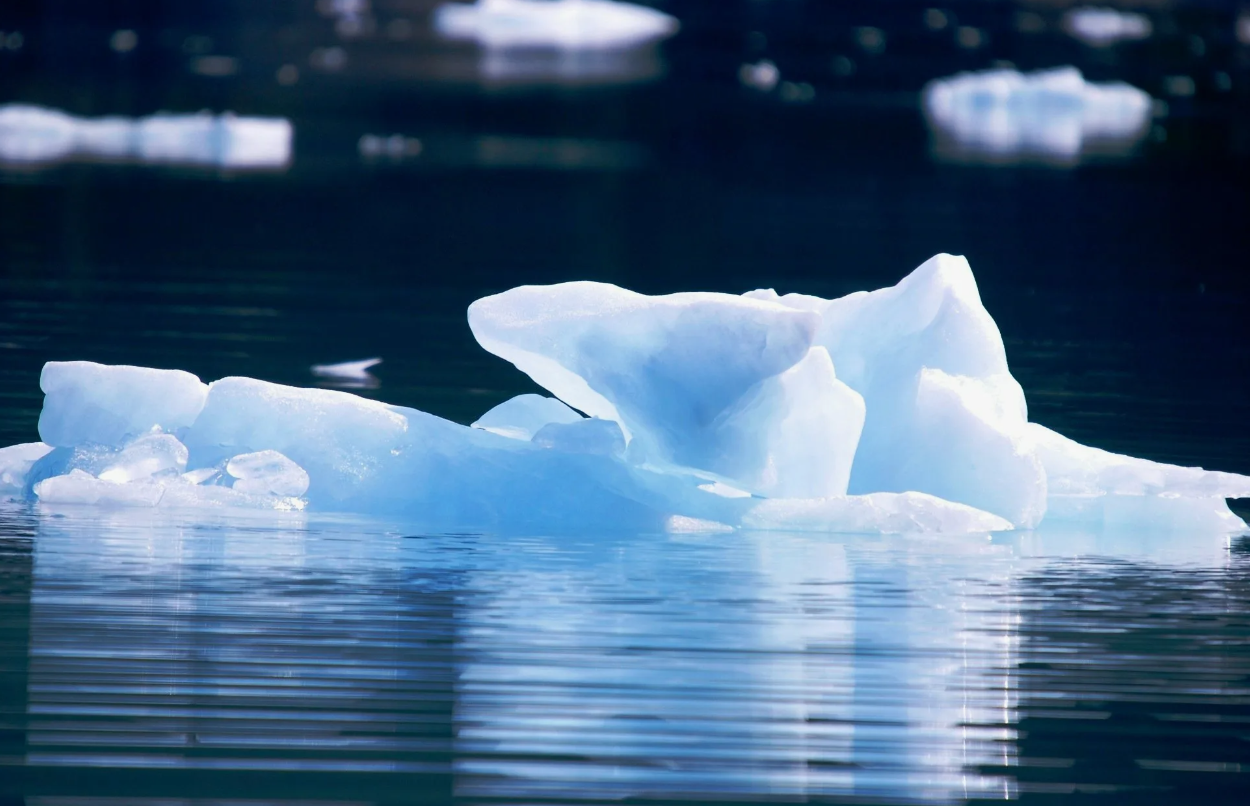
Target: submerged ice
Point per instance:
(885, 411)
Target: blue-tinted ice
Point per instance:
(884, 411)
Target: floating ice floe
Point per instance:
(1102, 27)
(884, 411)
(1049, 116)
(34, 136)
(574, 24)
(349, 374)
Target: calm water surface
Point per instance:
(312, 660)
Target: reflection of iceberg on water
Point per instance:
(571, 42)
(1053, 116)
(34, 136)
(888, 411)
(582, 24)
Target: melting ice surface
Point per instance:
(558, 23)
(1050, 115)
(32, 135)
(884, 411)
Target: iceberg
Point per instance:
(889, 411)
(33, 136)
(570, 24)
(1053, 116)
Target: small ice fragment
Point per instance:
(1053, 115)
(763, 75)
(15, 462)
(86, 402)
(522, 417)
(573, 24)
(349, 374)
(34, 136)
(79, 487)
(267, 473)
(146, 457)
(602, 437)
(1102, 27)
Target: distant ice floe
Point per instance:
(1103, 27)
(34, 136)
(1053, 116)
(572, 24)
(887, 411)
(349, 374)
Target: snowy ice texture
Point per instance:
(32, 136)
(571, 24)
(1050, 116)
(884, 411)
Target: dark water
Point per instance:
(147, 659)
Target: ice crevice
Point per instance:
(890, 411)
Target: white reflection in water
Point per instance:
(32, 136)
(1052, 116)
(705, 666)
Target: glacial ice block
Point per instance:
(943, 414)
(710, 381)
(86, 403)
(1051, 115)
(571, 24)
(708, 412)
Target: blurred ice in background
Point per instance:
(1102, 27)
(34, 136)
(1053, 116)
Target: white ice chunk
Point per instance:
(886, 513)
(943, 414)
(15, 463)
(687, 376)
(267, 473)
(573, 24)
(207, 139)
(1095, 486)
(349, 374)
(34, 135)
(1102, 27)
(146, 457)
(341, 441)
(590, 435)
(80, 487)
(523, 416)
(1053, 115)
(108, 405)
